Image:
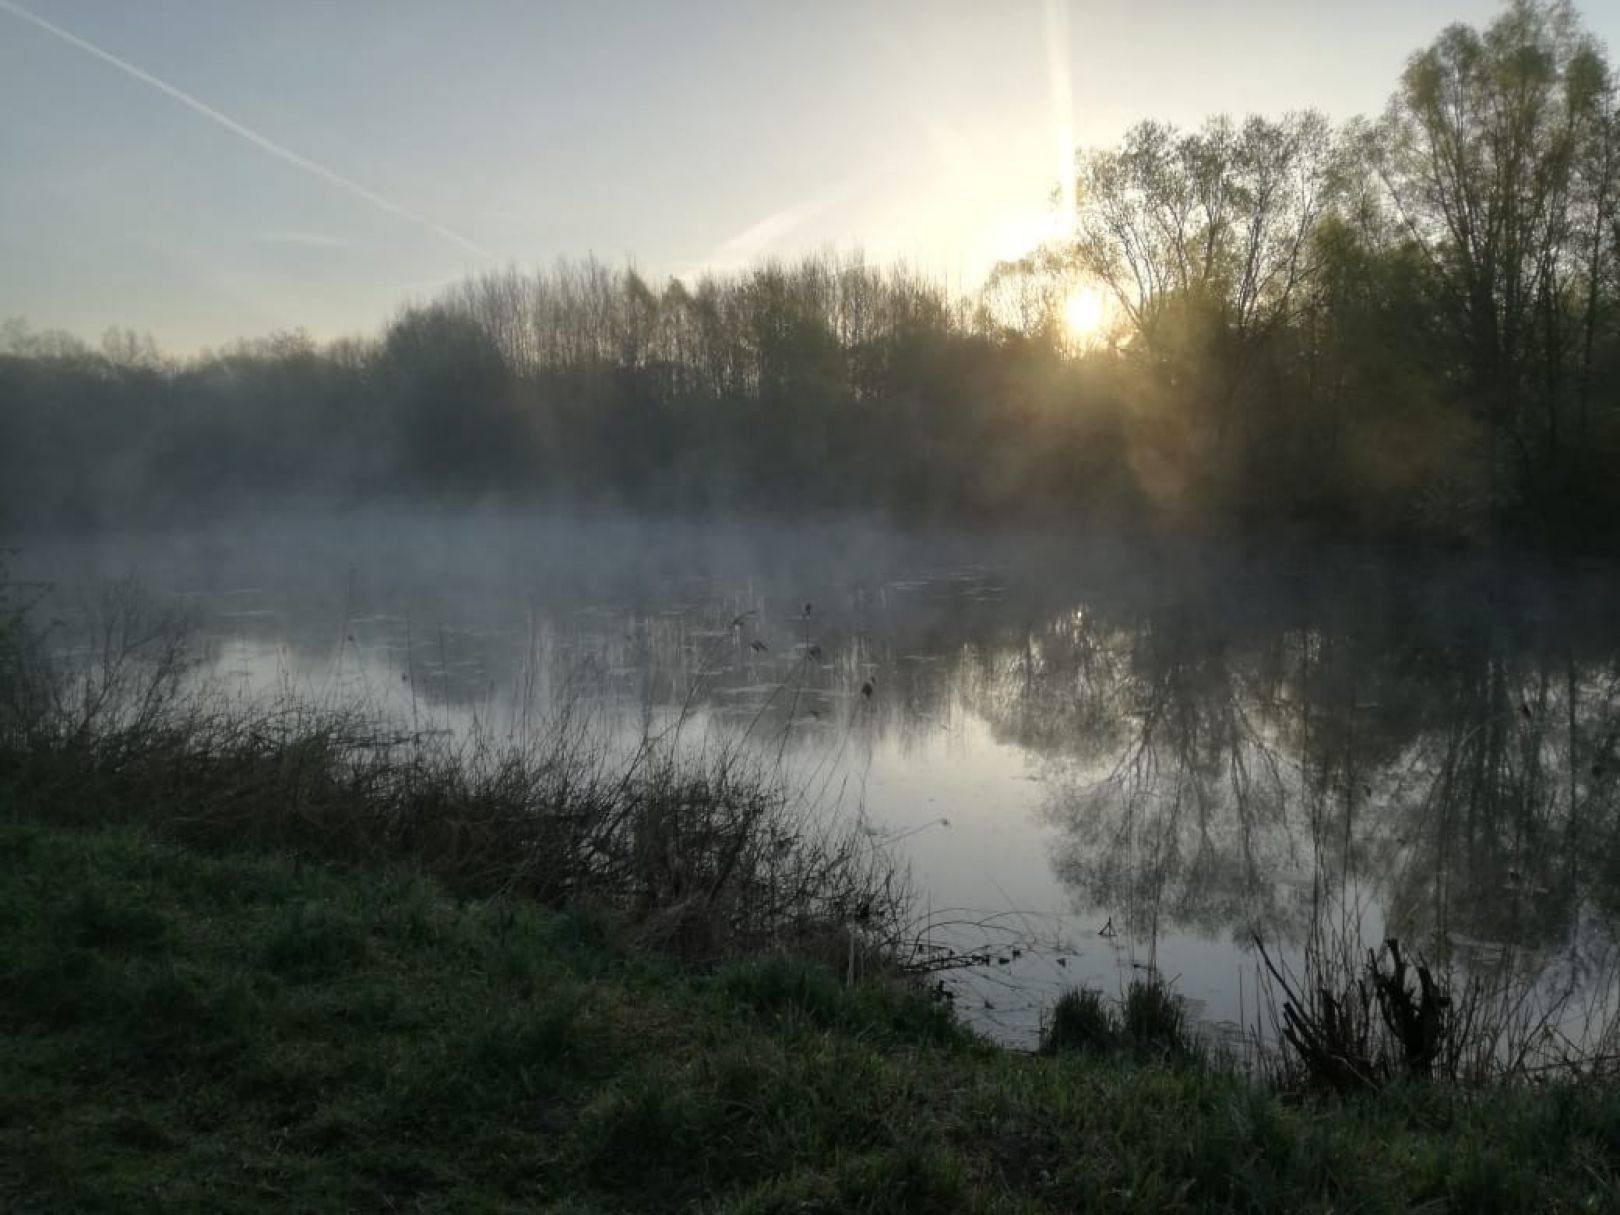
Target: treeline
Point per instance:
(1402, 328)
(828, 385)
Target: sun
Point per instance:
(1084, 311)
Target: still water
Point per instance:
(1096, 758)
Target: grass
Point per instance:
(245, 1030)
(1150, 1020)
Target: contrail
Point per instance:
(759, 236)
(314, 168)
(779, 224)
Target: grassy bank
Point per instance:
(703, 843)
(191, 1029)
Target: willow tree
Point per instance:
(1496, 153)
(1219, 219)
(1204, 240)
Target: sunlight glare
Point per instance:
(1018, 234)
(1083, 312)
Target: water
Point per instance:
(1096, 757)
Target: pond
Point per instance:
(1098, 758)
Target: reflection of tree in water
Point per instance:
(1504, 815)
(1048, 688)
(1225, 763)
(1182, 819)
(1226, 745)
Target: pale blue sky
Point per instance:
(358, 152)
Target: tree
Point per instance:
(459, 428)
(1497, 155)
(1205, 240)
(1216, 222)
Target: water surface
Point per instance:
(1096, 757)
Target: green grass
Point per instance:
(1150, 1020)
(188, 1030)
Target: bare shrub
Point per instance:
(1351, 1025)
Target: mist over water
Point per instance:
(1034, 626)
(1095, 756)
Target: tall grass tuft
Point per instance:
(1150, 1019)
(1154, 1017)
(1081, 1020)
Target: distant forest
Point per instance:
(1406, 329)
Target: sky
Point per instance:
(205, 170)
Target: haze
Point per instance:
(1089, 523)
